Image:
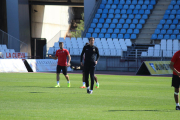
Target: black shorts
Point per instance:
(175, 81)
(63, 68)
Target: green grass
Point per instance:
(27, 96)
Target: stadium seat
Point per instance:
(128, 2)
(157, 31)
(111, 11)
(110, 2)
(142, 21)
(166, 27)
(141, 12)
(105, 11)
(101, 35)
(123, 11)
(88, 35)
(153, 2)
(163, 31)
(106, 25)
(101, 20)
(90, 30)
(135, 11)
(97, 30)
(107, 36)
(99, 25)
(131, 16)
(110, 30)
(116, 30)
(139, 26)
(176, 7)
(108, 6)
(160, 36)
(97, 15)
(144, 7)
(178, 2)
(131, 7)
(127, 36)
(122, 1)
(168, 12)
(102, 6)
(138, 7)
(172, 27)
(173, 2)
(120, 6)
(115, 21)
(140, 2)
(150, 7)
(146, 2)
(95, 20)
(103, 30)
(128, 21)
(104, 1)
(171, 17)
(129, 11)
(154, 36)
(114, 36)
(135, 21)
(123, 31)
(104, 15)
(150, 52)
(178, 27)
(133, 36)
(126, 7)
(176, 32)
(132, 26)
(173, 12)
(134, 2)
(137, 16)
(119, 26)
(178, 36)
(166, 36)
(120, 36)
(170, 7)
(147, 12)
(113, 7)
(112, 26)
(129, 31)
(173, 37)
(159, 26)
(117, 16)
(128, 42)
(111, 16)
(116, 1)
(93, 25)
(136, 31)
(121, 21)
(108, 21)
(126, 26)
(177, 16)
(178, 12)
(94, 35)
(117, 11)
(162, 21)
(99, 11)
(169, 22)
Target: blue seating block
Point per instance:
(169, 32)
(177, 16)
(173, 2)
(173, 12)
(138, 7)
(110, 30)
(147, 12)
(110, 2)
(104, 1)
(153, 2)
(178, 2)
(137, 16)
(105, 11)
(113, 7)
(93, 25)
(166, 37)
(117, 11)
(103, 30)
(176, 32)
(128, 2)
(120, 7)
(134, 2)
(176, 7)
(150, 7)
(111, 16)
(127, 36)
(97, 30)
(166, 27)
(101, 20)
(178, 27)
(159, 26)
(135, 21)
(126, 26)
(131, 7)
(133, 36)
(126, 7)
(119, 26)
(88, 35)
(121, 21)
(170, 7)
(175, 21)
(154, 36)
(131, 16)
(95, 20)
(178, 36)
(116, 1)
(116, 30)
(142, 21)
(132, 26)
(97, 15)
(99, 11)
(112, 26)
(160, 36)
(124, 16)
(106, 25)
(107, 36)
(108, 20)
(173, 37)
(111, 11)
(162, 21)
(90, 30)
(94, 35)
(123, 31)
(123, 11)
(104, 15)
(117, 16)
(163, 31)
(114, 36)
(120, 36)
(128, 21)
(99, 25)
(101, 35)
(144, 7)
(157, 31)
(108, 6)
(172, 27)
(122, 1)
(139, 26)
(102, 6)
(115, 21)
(144, 17)
(136, 31)
(140, 2)
(171, 17)
(135, 11)
(166, 16)
(146, 2)
(129, 31)
(141, 12)
(129, 11)
(169, 22)
(168, 12)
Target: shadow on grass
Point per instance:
(142, 110)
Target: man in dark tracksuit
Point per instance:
(90, 62)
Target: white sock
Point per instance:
(68, 81)
(97, 83)
(87, 88)
(84, 83)
(177, 104)
(58, 82)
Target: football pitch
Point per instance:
(32, 96)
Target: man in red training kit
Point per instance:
(175, 66)
(62, 55)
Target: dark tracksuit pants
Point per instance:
(89, 69)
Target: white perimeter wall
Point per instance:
(49, 20)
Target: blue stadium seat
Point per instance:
(111, 16)
(140, 2)
(126, 26)
(95, 20)
(104, 1)
(123, 11)
(108, 6)
(154, 36)
(120, 36)
(101, 35)
(97, 15)
(175, 21)
(107, 35)
(115, 21)
(162, 21)
(110, 2)
(168, 12)
(102, 6)
(106, 25)
(97, 30)
(113, 7)
(88, 35)
(103, 30)
(131, 7)
(163, 31)
(99, 25)
(123, 31)
(117, 16)
(116, 30)
(169, 22)
(112, 26)
(160, 36)
(144, 17)
(137, 16)
(172, 27)
(169, 32)
(178, 36)
(178, 27)
(176, 32)
(150, 7)
(166, 16)
(126, 7)
(135, 11)
(124, 16)
(122, 1)
(178, 2)
(116, 1)
(144, 7)
(157, 31)
(99, 11)
(93, 25)
(105, 11)
(111, 11)
(146, 2)
(131, 16)
(108, 21)
(136, 31)
(110, 30)
(153, 2)
(129, 31)
(132, 26)
(134, 2)
(139, 26)
(135, 21)
(129, 11)
(141, 12)
(170, 7)
(128, 21)
(121, 21)
(104, 15)
(94, 35)
(128, 2)
(173, 12)
(114, 36)
(120, 7)
(177, 16)
(142, 21)
(101, 20)
(173, 37)
(138, 7)
(171, 17)
(147, 12)
(173, 2)
(117, 11)
(90, 30)
(176, 7)
(159, 26)
(166, 27)
(166, 37)
(119, 26)
(133, 36)
(127, 36)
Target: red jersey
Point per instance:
(176, 60)
(62, 56)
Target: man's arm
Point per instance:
(82, 53)
(97, 52)
(173, 69)
(69, 60)
(55, 58)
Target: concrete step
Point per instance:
(158, 12)
(156, 16)
(147, 31)
(145, 35)
(154, 21)
(151, 26)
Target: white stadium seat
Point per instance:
(169, 48)
(61, 39)
(144, 54)
(157, 50)
(128, 42)
(150, 51)
(175, 46)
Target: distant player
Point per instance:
(175, 66)
(62, 55)
(83, 78)
(90, 62)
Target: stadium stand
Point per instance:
(4, 49)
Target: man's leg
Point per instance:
(83, 79)
(58, 69)
(66, 76)
(97, 84)
(92, 77)
(87, 77)
(176, 97)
